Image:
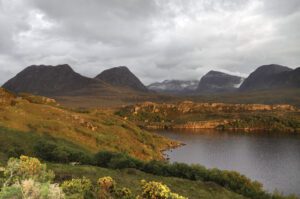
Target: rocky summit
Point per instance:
(122, 77)
(218, 82)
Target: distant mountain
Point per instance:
(174, 86)
(122, 77)
(218, 82)
(272, 77)
(48, 80)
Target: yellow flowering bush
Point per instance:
(78, 187)
(28, 178)
(26, 168)
(106, 187)
(157, 190)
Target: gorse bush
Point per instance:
(157, 190)
(78, 188)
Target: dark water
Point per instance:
(271, 158)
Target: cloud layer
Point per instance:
(157, 40)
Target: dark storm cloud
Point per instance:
(157, 39)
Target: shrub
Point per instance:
(50, 151)
(28, 178)
(80, 188)
(124, 193)
(26, 168)
(157, 190)
(116, 160)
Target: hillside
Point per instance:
(191, 115)
(90, 130)
(218, 82)
(131, 178)
(272, 76)
(122, 77)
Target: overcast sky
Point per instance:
(156, 39)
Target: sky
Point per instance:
(155, 39)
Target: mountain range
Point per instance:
(62, 80)
(174, 86)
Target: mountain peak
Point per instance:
(47, 80)
(265, 77)
(121, 76)
(215, 82)
(272, 69)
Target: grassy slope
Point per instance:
(131, 178)
(92, 131)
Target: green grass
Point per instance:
(16, 143)
(131, 178)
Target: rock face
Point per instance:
(174, 86)
(47, 80)
(122, 77)
(272, 77)
(218, 82)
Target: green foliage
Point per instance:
(50, 151)
(264, 122)
(10, 192)
(124, 193)
(116, 160)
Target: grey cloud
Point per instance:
(169, 39)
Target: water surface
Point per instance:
(271, 158)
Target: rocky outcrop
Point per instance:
(191, 115)
(191, 107)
